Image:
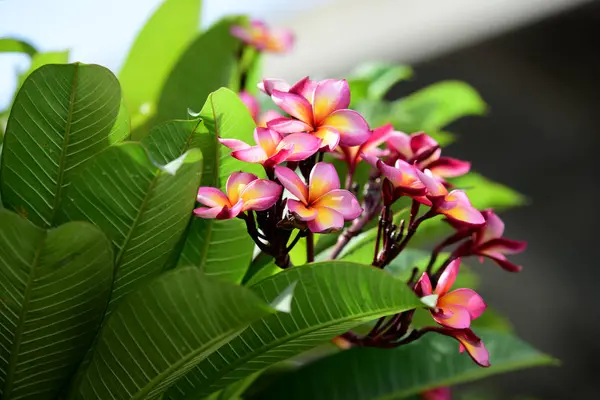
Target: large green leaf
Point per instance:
(63, 115)
(169, 140)
(432, 361)
(205, 66)
(434, 107)
(54, 288)
(485, 193)
(163, 331)
(155, 52)
(373, 81)
(142, 207)
(329, 299)
(10, 45)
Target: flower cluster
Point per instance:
(258, 35)
(315, 123)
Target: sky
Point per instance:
(102, 31)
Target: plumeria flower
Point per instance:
(244, 192)
(261, 119)
(423, 150)
(352, 154)
(487, 241)
(263, 38)
(469, 342)
(455, 205)
(320, 108)
(322, 205)
(442, 393)
(455, 309)
(272, 148)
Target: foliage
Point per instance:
(111, 288)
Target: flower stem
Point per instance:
(310, 247)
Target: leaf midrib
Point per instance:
(186, 145)
(217, 143)
(14, 352)
(63, 154)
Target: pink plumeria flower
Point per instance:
(352, 154)
(272, 148)
(263, 38)
(320, 108)
(423, 150)
(261, 119)
(321, 204)
(455, 205)
(487, 241)
(469, 342)
(455, 309)
(442, 393)
(245, 192)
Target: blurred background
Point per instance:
(535, 62)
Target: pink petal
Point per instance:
(403, 176)
(288, 125)
(292, 182)
(236, 183)
(305, 88)
(377, 137)
(254, 154)
(471, 343)
(352, 127)
(443, 393)
(293, 104)
(268, 139)
(241, 32)
(505, 264)
(323, 179)
(330, 95)
(447, 167)
(370, 158)
(467, 298)
(212, 197)
(301, 211)
(329, 138)
(228, 213)
(421, 142)
(251, 103)
(341, 201)
(327, 220)
(268, 85)
(266, 117)
(493, 228)
(447, 278)
(452, 316)
(234, 144)
(434, 187)
(423, 286)
(205, 212)
(280, 40)
(304, 145)
(280, 156)
(399, 142)
(457, 206)
(502, 246)
(260, 195)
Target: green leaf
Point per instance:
(155, 52)
(436, 106)
(380, 78)
(329, 299)
(142, 207)
(54, 288)
(163, 331)
(169, 140)
(205, 66)
(9, 45)
(432, 361)
(485, 193)
(62, 116)
(235, 390)
(41, 59)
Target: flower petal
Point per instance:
(502, 246)
(329, 138)
(241, 32)
(301, 211)
(251, 103)
(399, 142)
(293, 104)
(292, 182)
(493, 228)
(457, 206)
(305, 88)
(330, 95)
(472, 344)
(260, 195)
(352, 127)
(304, 145)
(268, 85)
(452, 316)
(228, 213)
(327, 220)
(234, 144)
(341, 201)
(467, 298)
(447, 278)
(254, 154)
(280, 156)
(420, 143)
(212, 197)
(434, 187)
(443, 393)
(266, 117)
(403, 176)
(205, 212)
(268, 139)
(377, 137)
(447, 167)
(323, 179)
(236, 183)
(505, 264)
(285, 125)
(423, 286)
(280, 40)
